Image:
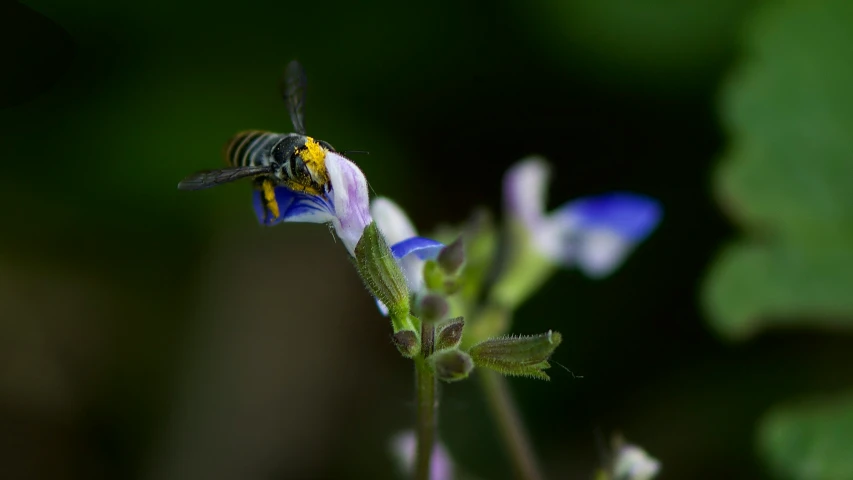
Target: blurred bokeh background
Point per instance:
(151, 333)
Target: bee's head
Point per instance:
(300, 163)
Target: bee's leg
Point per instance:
(270, 205)
(258, 184)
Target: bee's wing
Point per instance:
(293, 90)
(211, 178)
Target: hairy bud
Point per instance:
(449, 334)
(451, 365)
(451, 257)
(433, 308)
(407, 343)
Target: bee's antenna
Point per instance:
(358, 152)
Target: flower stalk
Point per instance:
(513, 434)
(427, 403)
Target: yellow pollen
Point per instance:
(269, 197)
(314, 157)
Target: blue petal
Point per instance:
(294, 207)
(423, 248)
(628, 215)
(382, 308)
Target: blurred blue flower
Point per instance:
(344, 205)
(594, 233)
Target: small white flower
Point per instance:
(391, 220)
(633, 463)
(595, 233)
(403, 447)
(345, 205)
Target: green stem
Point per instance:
(515, 438)
(426, 403)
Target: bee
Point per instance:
(293, 160)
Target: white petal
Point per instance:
(525, 189)
(382, 308)
(600, 252)
(413, 270)
(350, 197)
(633, 463)
(391, 220)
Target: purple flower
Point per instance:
(595, 233)
(403, 449)
(345, 205)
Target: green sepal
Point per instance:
(382, 275)
(451, 365)
(525, 356)
(433, 276)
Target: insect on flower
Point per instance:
(292, 160)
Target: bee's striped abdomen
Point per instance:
(251, 148)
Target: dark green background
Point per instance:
(151, 333)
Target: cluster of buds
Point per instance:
(436, 277)
(445, 283)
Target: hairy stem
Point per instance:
(426, 403)
(514, 436)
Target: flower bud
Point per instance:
(451, 257)
(433, 308)
(449, 334)
(407, 343)
(522, 356)
(451, 365)
(381, 273)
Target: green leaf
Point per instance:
(756, 285)
(788, 175)
(811, 441)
